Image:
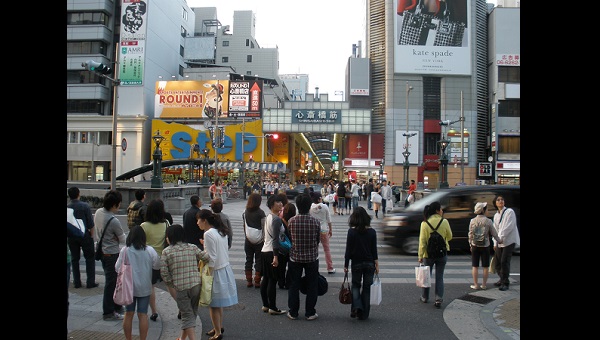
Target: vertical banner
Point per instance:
(133, 42)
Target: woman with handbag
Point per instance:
(142, 260)
(253, 217)
(361, 249)
(224, 292)
(155, 226)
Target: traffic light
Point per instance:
(334, 158)
(95, 66)
(274, 136)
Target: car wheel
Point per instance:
(410, 246)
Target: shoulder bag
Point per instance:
(207, 284)
(255, 236)
(99, 253)
(123, 294)
(345, 294)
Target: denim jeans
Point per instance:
(354, 202)
(362, 275)
(440, 265)
(311, 271)
(110, 275)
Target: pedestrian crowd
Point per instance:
(159, 250)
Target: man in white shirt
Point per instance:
(386, 194)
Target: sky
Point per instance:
(314, 37)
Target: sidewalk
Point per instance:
(486, 314)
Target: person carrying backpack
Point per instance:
(433, 248)
(136, 211)
(480, 230)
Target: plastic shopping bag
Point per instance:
(423, 276)
(376, 291)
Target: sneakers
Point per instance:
(483, 287)
(331, 271)
(503, 288)
(112, 317)
(424, 300)
(498, 284)
(476, 287)
(291, 317)
(312, 317)
(276, 311)
(264, 309)
(438, 303)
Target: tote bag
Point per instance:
(376, 291)
(423, 276)
(207, 283)
(123, 294)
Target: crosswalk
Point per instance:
(394, 267)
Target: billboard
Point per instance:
(208, 99)
(134, 15)
(432, 37)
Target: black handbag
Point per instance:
(417, 26)
(323, 285)
(99, 253)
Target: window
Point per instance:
(509, 147)
(84, 77)
(509, 74)
(181, 50)
(225, 43)
(249, 58)
(87, 18)
(184, 15)
(86, 47)
(183, 32)
(84, 106)
(248, 73)
(509, 108)
(431, 145)
(432, 98)
(225, 59)
(247, 42)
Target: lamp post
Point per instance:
(381, 169)
(443, 164)
(205, 167)
(156, 181)
(406, 153)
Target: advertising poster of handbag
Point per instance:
(432, 22)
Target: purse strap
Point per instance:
(104, 230)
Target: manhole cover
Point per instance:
(477, 299)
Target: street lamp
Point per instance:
(156, 181)
(205, 162)
(406, 153)
(381, 169)
(444, 164)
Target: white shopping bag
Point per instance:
(376, 291)
(423, 276)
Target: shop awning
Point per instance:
(266, 166)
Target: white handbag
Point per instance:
(376, 291)
(255, 236)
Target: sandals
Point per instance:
(476, 287)
(212, 332)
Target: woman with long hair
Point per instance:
(224, 293)
(361, 254)
(253, 217)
